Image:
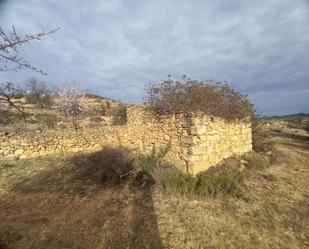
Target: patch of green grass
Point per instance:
(229, 183)
(213, 185)
(174, 181)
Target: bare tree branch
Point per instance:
(10, 53)
(7, 92)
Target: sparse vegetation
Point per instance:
(217, 184)
(174, 181)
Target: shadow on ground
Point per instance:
(87, 201)
(299, 138)
(300, 142)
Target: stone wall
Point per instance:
(197, 141)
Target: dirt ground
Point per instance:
(46, 203)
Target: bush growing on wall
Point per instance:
(217, 99)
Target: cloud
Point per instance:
(115, 47)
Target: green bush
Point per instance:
(120, 115)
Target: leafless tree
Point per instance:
(12, 59)
(71, 102)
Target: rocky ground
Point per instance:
(46, 203)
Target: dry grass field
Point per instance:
(55, 202)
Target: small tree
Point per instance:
(71, 102)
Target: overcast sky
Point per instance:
(113, 48)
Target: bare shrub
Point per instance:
(217, 99)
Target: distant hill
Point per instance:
(296, 115)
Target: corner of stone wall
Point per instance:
(211, 139)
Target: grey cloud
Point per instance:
(115, 47)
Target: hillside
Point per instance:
(48, 202)
(99, 111)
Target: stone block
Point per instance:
(198, 129)
(18, 152)
(193, 158)
(197, 150)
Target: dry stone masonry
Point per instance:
(197, 141)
